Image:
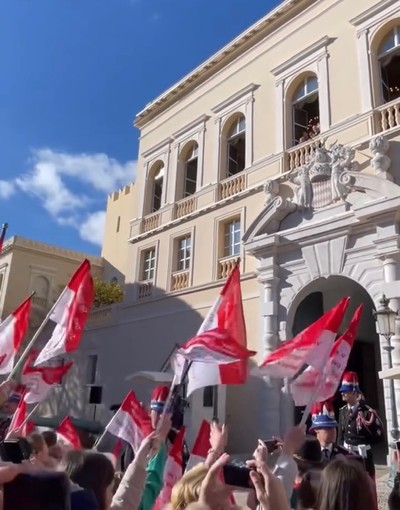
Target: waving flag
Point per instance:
(68, 434)
(305, 386)
(131, 422)
(18, 420)
(310, 347)
(173, 471)
(201, 446)
(12, 332)
(225, 315)
(40, 380)
(3, 236)
(70, 313)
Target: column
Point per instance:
(249, 114)
(280, 116)
(200, 160)
(167, 178)
(270, 398)
(323, 93)
(171, 170)
(217, 152)
(364, 69)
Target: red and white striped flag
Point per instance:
(131, 422)
(70, 313)
(201, 446)
(40, 380)
(18, 420)
(173, 471)
(310, 347)
(68, 434)
(3, 236)
(305, 386)
(227, 315)
(12, 332)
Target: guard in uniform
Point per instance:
(9, 407)
(324, 425)
(359, 424)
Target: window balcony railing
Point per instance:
(225, 266)
(300, 154)
(40, 302)
(232, 186)
(151, 221)
(180, 280)
(145, 289)
(388, 116)
(99, 316)
(185, 207)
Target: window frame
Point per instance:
(229, 234)
(91, 369)
(143, 268)
(183, 262)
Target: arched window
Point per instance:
(41, 286)
(190, 166)
(236, 146)
(157, 181)
(305, 110)
(389, 60)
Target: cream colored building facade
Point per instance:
(282, 149)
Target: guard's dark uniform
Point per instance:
(4, 425)
(360, 427)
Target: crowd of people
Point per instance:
(318, 469)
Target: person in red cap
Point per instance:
(158, 400)
(359, 424)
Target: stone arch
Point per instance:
(41, 287)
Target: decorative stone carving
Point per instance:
(379, 146)
(341, 160)
(304, 190)
(271, 189)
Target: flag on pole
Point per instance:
(226, 314)
(304, 387)
(40, 380)
(310, 347)
(131, 422)
(173, 471)
(3, 236)
(18, 420)
(12, 332)
(70, 313)
(68, 434)
(201, 446)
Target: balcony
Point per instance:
(225, 266)
(185, 207)
(232, 186)
(388, 116)
(39, 302)
(145, 289)
(180, 280)
(300, 154)
(151, 221)
(99, 316)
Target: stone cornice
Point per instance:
(197, 74)
(17, 242)
(366, 16)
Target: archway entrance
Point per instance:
(365, 359)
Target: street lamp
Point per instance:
(386, 326)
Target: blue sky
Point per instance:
(73, 75)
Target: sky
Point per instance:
(73, 75)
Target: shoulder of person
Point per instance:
(340, 450)
(343, 408)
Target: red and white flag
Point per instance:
(310, 347)
(173, 471)
(226, 314)
(131, 422)
(40, 380)
(305, 386)
(68, 434)
(70, 313)
(12, 332)
(3, 236)
(201, 446)
(18, 421)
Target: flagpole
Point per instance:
(30, 414)
(30, 345)
(103, 435)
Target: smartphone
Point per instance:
(271, 445)
(15, 450)
(237, 475)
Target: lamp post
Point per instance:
(386, 326)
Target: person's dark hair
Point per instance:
(308, 490)
(394, 497)
(50, 437)
(36, 442)
(345, 486)
(90, 470)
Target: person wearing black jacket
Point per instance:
(359, 424)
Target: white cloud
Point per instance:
(7, 189)
(92, 229)
(69, 186)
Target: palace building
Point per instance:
(283, 150)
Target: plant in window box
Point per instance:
(106, 293)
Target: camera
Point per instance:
(237, 474)
(15, 450)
